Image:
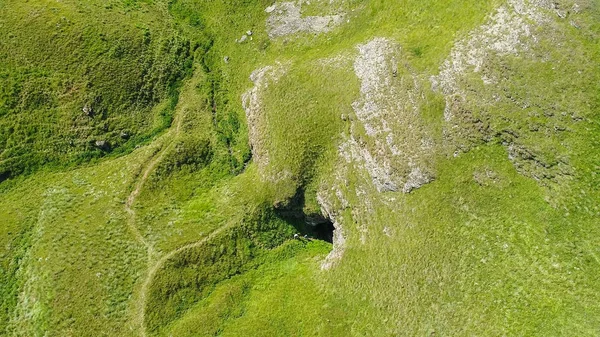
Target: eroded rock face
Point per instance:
(339, 239)
(477, 74)
(388, 138)
(333, 201)
(388, 147)
(252, 104)
(508, 32)
(286, 19)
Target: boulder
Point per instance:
(88, 110)
(102, 144)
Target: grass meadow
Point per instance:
(485, 249)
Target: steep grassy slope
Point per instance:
(80, 79)
(453, 145)
(67, 249)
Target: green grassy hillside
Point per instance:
(82, 79)
(157, 158)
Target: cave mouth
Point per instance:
(324, 231)
(5, 175)
(313, 225)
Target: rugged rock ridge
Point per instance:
(339, 237)
(390, 148)
(514, 30)
(388, 137)
(251, 102)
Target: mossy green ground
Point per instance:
(500, 256)
(112, 59)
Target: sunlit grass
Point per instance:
(502, 256)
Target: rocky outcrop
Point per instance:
(286, 19)
(333, 202)
(388, 137)
(252, 104)
(508, 32)
(477, 75)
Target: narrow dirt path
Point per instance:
(168, 141)
(155, 261)
(131, 220)
(145, 172)
(156, 267)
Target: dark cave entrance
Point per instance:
(5, 175)
(324, 231)
(313, 225)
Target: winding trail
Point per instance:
(155, 261)
(147, 168)
(131, 220)
(145, 172)
(156, 267)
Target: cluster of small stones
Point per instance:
(243, 39)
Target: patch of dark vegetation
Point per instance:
(225, 116)
(5, 175)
